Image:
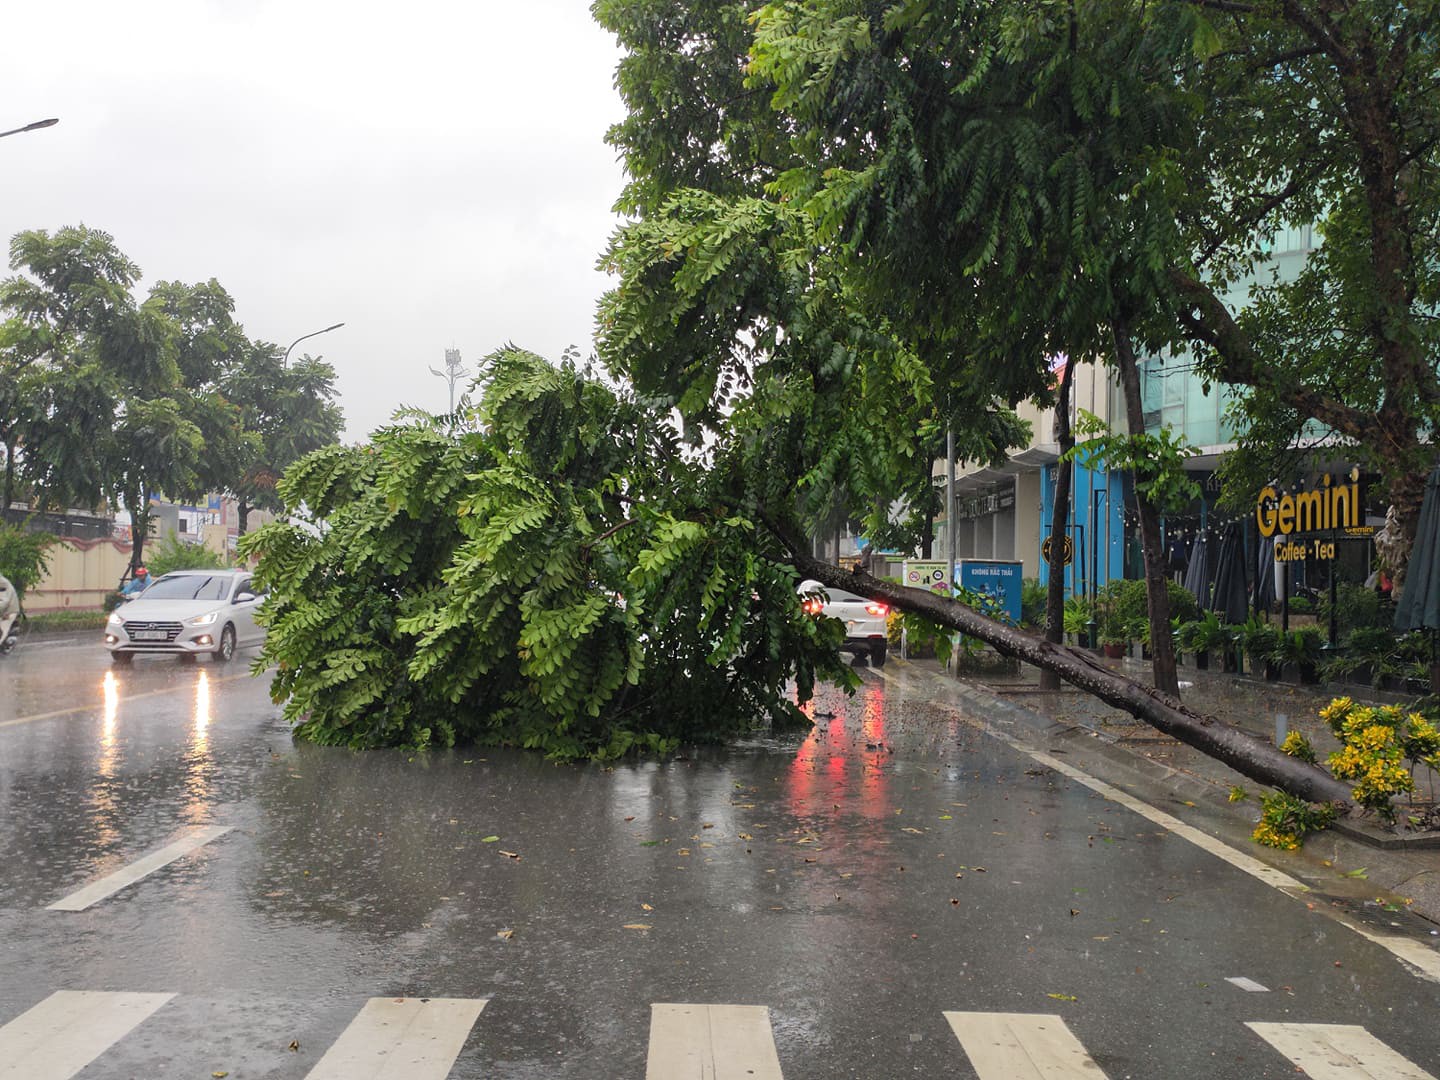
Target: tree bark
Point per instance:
(242, 516)
(1157, 594)
(9, 476)
(1252, 757)
(1059, 516)
(139, 530)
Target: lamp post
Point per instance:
(453, 373)
(302, 337)
(36, 126)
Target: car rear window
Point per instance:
(839, 596)
(189, 587)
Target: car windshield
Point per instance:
(189, 587)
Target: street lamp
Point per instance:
(302, 337)
(453, 373)
(36, 126)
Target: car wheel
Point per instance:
(122, 659)
(225, 651)
(877, 654)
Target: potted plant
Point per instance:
(1114, 633)
(1208, 637)
(1138, 631)
(1299, 652)
(1076, 620)
(1258, 639)
(1363, 658)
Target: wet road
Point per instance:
(883, 887)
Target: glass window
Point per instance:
(189, 587)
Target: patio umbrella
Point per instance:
(1419, 606)
(1232, 593)
(1198, 574)
(1265, 576)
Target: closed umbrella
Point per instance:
(1419, 605)
(1197, 575)
(1265, 576)
(1232, 594)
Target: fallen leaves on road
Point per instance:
(637, 926)
(1063, 997)
(510, 854)
(505, 935)
(489, 839)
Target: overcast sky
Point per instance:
(431, 174)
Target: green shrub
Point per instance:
(174, 554)
(1301, 605)
(1033, 597)
(59, 621)
(1355, 607)
(1078, 611)
(24, 556)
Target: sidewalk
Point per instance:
(1253, 705)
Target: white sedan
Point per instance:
(187, 613)
(864, 619)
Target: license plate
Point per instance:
(150, 635)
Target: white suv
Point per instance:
(864, 619)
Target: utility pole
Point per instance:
(950, 509)
(453, 373)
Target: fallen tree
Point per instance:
(1252, 757)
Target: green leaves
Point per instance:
(516, 587)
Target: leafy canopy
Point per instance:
(550, 581)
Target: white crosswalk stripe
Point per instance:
(195, 837)
(1338, 1052)
(68, 1030)
(421, 1039)
(711, 1042)
(401, 1039)
(1021, 1046)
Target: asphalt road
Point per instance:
(185, 892)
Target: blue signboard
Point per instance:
(1000, 580)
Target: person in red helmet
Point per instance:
(137, 584)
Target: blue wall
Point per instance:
(1097, 506)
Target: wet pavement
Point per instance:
(896, 864)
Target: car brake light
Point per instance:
(877, 609)
(812, 607)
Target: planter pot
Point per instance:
(1304, 674)
(1114, 650)
(1362, 676)
(1202, 661)
(1272, 671)
(1231, 662)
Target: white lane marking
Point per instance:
(99, 706)
(1021, 1046)
(1338, 1052)
(401, 1039)
(68, 1030)
(1247, 984)
(195, 837)
(711, 1042)
(1420, 959)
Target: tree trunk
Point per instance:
(139, 530)
(1249, 755)
(1059, 516)
(1162, 644)
(9, 476)
(242, 516)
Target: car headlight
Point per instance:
(114, 620)
(202, 620)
